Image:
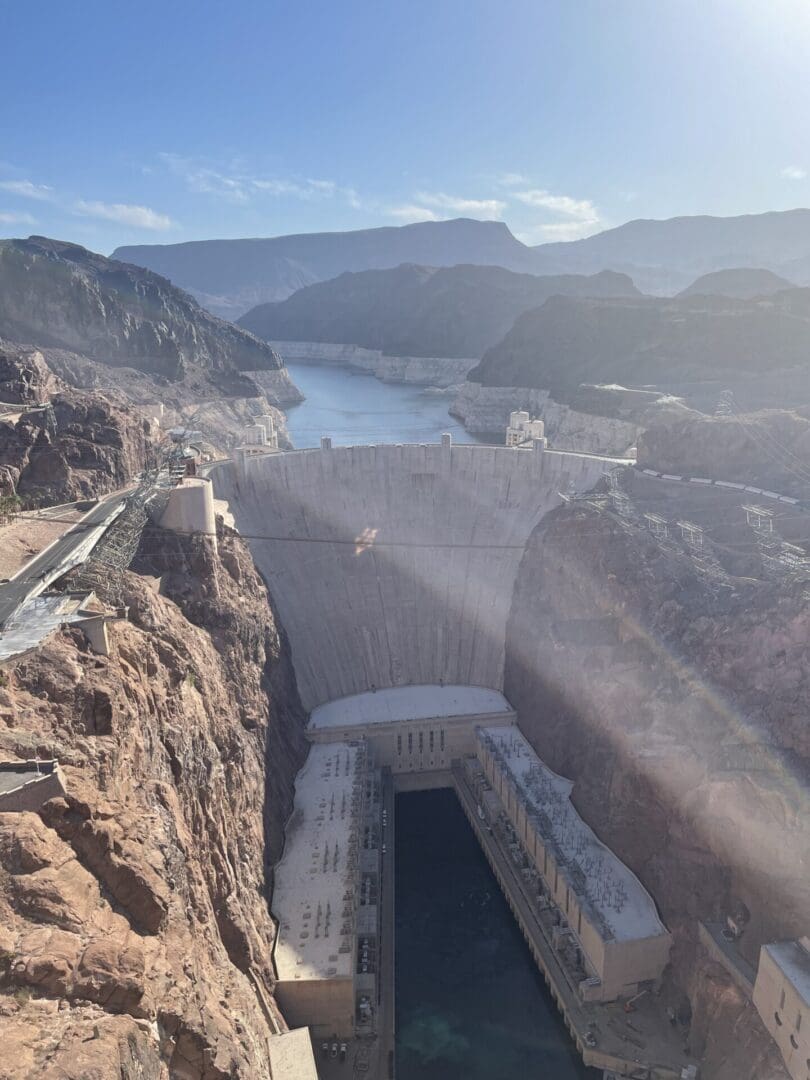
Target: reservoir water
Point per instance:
(470, 1002)
(357, 408)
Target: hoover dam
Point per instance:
(392, 569)
(394, 565)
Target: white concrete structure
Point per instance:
(41, 616)
(412, 728)
(316, 891)
(412, 703)
(255, 435)
(26, 785)
(523, 430)
(782, 998)
(603, 906)
(268, 423)
(291, 1056)
(394, 565)
(258, 439)
(190, 509)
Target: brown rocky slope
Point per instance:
(135, 936)
(81, 446)
(53, 293)
(679, 711)
(769, 448)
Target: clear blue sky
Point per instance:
(182, 119)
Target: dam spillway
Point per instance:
(394, 565)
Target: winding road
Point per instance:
(70, 549)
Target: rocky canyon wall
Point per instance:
(81, 446)
(678, 708)
(135, 936)
(484, 410)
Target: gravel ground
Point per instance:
(26, 537)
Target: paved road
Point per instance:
(386, 1014)
(43, 568)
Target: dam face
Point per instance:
(394, 565)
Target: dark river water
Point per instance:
(356, 408)
(470, 1003)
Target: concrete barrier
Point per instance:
(190, 509)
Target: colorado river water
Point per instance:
(357, 408)
(470, 1003)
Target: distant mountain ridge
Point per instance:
(56, 294)
(701, 242)
(742, 283)
(230, 277)
(421, 311)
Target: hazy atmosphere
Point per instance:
(405, 540)
(179, 121)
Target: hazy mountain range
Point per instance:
(412, 310)
(662, 257)
(673, 344)
(544, 332)
(232, 276)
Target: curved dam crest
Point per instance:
(392, 565)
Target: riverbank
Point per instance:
(435, 371)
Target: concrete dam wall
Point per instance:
(395, 564)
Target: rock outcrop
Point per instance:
(135, 936)
(676, 701)
(79, 447)
(60, 295)
(25, 378)
(768, 449)
(695, 345)
(744, 283)
(421, 311)
(194, 401)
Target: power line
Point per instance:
(361, 542)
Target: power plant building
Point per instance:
(782, 998)
(608, 922)
(412, 728)
(318, 899)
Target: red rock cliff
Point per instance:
(135, 937)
